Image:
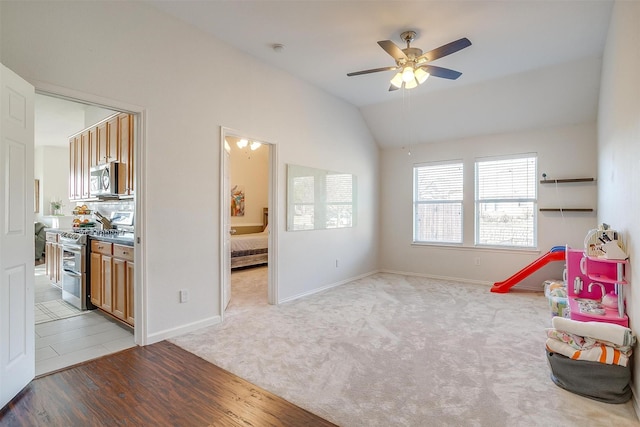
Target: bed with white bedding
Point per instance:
(250, 249)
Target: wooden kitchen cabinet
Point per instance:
(112, 279)
(119, 305)
(130, 313)
(74, 179)
(83, 167)
(123, 282)
(101, 275)
(106, 283)
(112, 148)
(93, 148)
(101, 143)
(96, 279)
(108, 141)
(125, 153)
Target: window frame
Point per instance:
(416, 202)
(497, 200)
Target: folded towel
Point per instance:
(602, 354)
(616, 334)
(583, 343)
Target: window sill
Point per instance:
(494, 249)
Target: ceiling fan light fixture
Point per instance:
(421, 75)
(397, 81)
(242, 143)
(408, 74)
(255, 145)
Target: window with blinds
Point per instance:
(437, 203)
(505, 201)
(339, 200)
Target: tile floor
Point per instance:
(65, 342)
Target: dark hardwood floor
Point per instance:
(156, 385)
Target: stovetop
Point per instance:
(79, 235)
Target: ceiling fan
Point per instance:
(413, 64)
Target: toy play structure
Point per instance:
(557, 253)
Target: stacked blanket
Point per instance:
(594, 341)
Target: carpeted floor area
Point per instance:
(403, 351)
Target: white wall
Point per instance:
(563, 152)
(619, 148)
(52, 169)
(190, 84)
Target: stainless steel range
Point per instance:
(74, 269)
(75, 254)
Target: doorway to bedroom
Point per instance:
(248, 172)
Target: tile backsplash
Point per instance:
(107, 208)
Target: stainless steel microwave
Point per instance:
(104, 179)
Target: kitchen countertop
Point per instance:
(126, 240)
(120, 240)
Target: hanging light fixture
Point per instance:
(410, 77)
(242, 143)
(397, 81)
(407, 74)
(411, 84)
(255, 145)
(421, 75)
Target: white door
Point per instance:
(226, 225)
(17, 324)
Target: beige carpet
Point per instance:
(392, 350)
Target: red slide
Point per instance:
(554, 254)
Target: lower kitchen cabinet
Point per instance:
(112, 279)
(129, 292)
(96, 279)
(106, 284)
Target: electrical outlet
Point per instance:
(184, 295)
(477, 261)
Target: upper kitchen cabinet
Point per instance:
(109, 153)
(110, 140)
(125, 153)
(101, 145)
(84, 164)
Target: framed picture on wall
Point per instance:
(36, 197)
(237, 200)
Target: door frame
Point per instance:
(272, 205)
(140, 113)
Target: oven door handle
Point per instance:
(72, 273)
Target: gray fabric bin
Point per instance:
(597, 381)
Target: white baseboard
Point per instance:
(181, 330)
(435, 277)
(324, 288)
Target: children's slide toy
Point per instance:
(557, 253)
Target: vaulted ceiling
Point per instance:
(531, 64)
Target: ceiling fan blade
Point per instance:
(374, 70)
(445, 73)
(446, 49)
(392, 88)
(392, 49)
